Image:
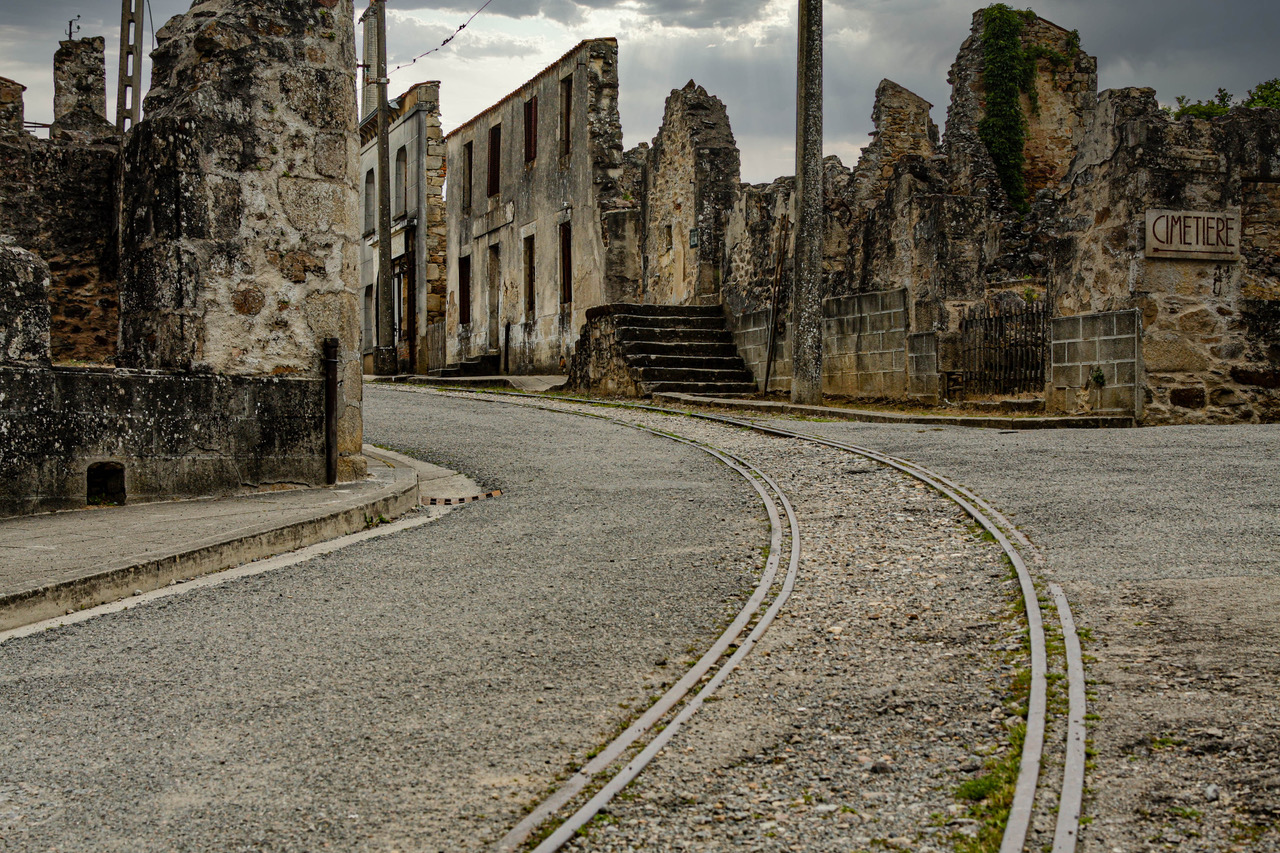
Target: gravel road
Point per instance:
(409, 693)
(1167, 542)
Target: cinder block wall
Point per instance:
(865, 344)
(923, 379)
(751, 334)
(1096, 364)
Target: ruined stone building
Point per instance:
(417, 153)
(1107, 259)
(208, 254)
(541, 227)
(937, 271)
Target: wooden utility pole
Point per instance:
(385, 361)
(806, 291)
(129, 87)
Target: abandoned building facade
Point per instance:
(417, 166)
(176, 348)
(540, 228)
(1076, 274)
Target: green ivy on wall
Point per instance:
(1008, 72)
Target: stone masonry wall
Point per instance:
(751, 335)
(12, 108)
(864, 339)
(239, 244)
(693, 176)
(1095, 364)
(24, 308)
(1056, 121)
(177, 435)
(1211, 341)
(436, 281)
(902, 127)
(58, 199)
(597, 366)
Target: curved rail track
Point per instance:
(990, 519)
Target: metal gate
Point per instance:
(1005, 353)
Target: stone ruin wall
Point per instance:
(1066, 93)
(436, 283)
(692, 175)
(1211, 329)
(238, 251)
(252, 112)
(936, 221)
(24, 309)
(903, 128)
(58, 198)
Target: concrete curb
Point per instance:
(528, 384)
(989, 422)
(244, 545)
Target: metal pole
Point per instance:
(129, 82)
(331, 366)
(806, 294)
(384, 356)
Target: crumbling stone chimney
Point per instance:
(239, 237)
(80, 91)
(11, 106)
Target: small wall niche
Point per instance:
(105, 484)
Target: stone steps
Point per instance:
(683, 349)
(679, 348)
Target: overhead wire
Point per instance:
(444, 43)
(151, 17)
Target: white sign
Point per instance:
(1193, 235)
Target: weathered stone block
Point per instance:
(1067, 329)
(12, 112)
(1079, 352)
(80, 91)
(1117, 349)
(1170, 352)
(24, 308)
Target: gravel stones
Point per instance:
(883, 685)
(386, 696)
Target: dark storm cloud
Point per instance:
(695, 14)
(1175, 46)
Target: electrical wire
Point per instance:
(153, 25)
(444, 43)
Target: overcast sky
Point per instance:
(741, 50)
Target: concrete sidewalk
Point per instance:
(58, 562)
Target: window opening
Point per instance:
(566, 113)
(531, 129)
(566, 263)
(468, 174)
(370, 202)
(495, 159)
(401, 198)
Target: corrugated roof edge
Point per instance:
(534, 79)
